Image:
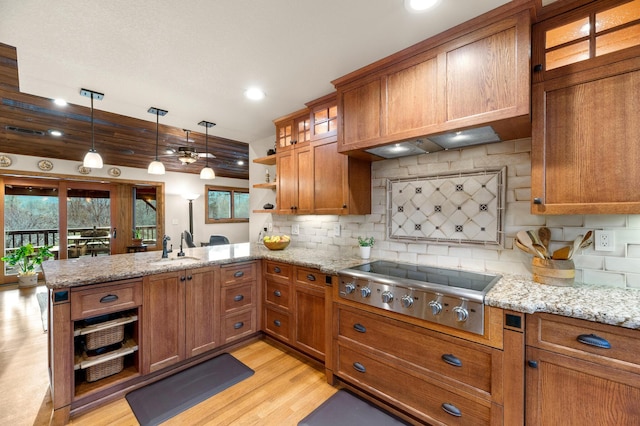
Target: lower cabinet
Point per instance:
(181, 314)
(238, 298)
(294, 307)
(433, 377)
(580, 372)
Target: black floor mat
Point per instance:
(346, 409)
(159, 401)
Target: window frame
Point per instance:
(232, 191)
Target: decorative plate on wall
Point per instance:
(84, 170)
(45, 165)
(5, 161)
(114, 171)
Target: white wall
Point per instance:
(176, 184)
(258, 196)
(618, 268)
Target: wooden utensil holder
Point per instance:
(559, 273)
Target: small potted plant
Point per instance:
(365, 246)
(27, 258)
(137, 238)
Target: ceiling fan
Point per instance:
(187, 155)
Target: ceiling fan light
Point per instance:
(92, 160)
(207, 173)
(156, 168)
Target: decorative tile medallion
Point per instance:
(457, 208)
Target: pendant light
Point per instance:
(92, 159)
(207, 172)
(156, 167)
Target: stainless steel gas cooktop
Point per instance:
(447, 296)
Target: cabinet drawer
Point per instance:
(239, 272)
(104, 299)
(237, 297)
(277, 323)
(278, 270)
(278, 293)
(238, 325)
(458, 359)
(579, 338)
(310, 276)
(425, 399)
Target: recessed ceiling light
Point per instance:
(54, 132)
(420, 5)
(60, 102)
(254, 93)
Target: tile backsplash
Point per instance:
(620, 267)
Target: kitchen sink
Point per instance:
(184, 260)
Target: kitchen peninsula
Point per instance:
(133, 284)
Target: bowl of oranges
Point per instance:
(276, 242)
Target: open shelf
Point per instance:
(269, 185)
(269, 160)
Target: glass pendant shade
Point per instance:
(92, 160)
(156, 168)
(207, 173)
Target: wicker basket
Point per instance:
(105, 337)
(105, 369)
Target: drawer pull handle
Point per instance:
(277, 293)
(593, 340)
(452, 360)
(238, 325)
(451, 409)
(311, 277)
(277, 270)
(359, 328)
(238, 298)
(109, 298)
(238, 274)
(277, 323)
(359, 367)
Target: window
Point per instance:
(224, 204)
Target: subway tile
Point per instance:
(633, 250)
(522, 194)
(473, 264)
(508, 268)
(408, 257)
(621, 265)
(605, 221)
(589, 262)
(484, 254)
(520, 169)
(437, 249)
(461, 252)
(417, 248)
(500, 160)
(450, 155)
(613, 279)
(633, 281)
(501, 147)
(448, 262)
(463, 165)
(523, 145)
(428, 259)
(633, 221)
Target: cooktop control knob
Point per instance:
(407, 301)
(387, 296)
(349, 288)
(365, 291)
(461, 313)
(436, 307)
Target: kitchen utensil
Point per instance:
(542, 250)
(525, 240)
(534, 237)
(576, 244)
(586, 241)
(544, 234)
(562, 253)
(524, 248)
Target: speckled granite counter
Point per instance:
(603, 304)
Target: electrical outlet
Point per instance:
(295, 229)
(336, 230)
(604, 241)
(269, 227)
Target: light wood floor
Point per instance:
(283, 390)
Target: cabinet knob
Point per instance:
(537, 68)
(359, 367)
(277, 323)
(238, 298)
(238, 274)
(277, 293)
(189, 277)
(277, 270)
(238, 325)
(311, 277)
(344, 206)
(537, 200)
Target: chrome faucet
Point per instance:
(165, 253)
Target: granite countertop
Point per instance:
(599, 303)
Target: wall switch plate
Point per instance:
(174, 221)
(295, 229)
(269, 227)
(336, 230)
(604, 241)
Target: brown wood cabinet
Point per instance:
(239, 301)
(472, 75)
(580, 372)
(292, 129)
(181, 314)
(313, 178)
(294, 307)
(584, 152)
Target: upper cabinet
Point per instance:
(585, 150)
(473, 75)
(293, 129)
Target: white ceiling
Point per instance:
(195, 58)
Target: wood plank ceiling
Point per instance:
(26, 122)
